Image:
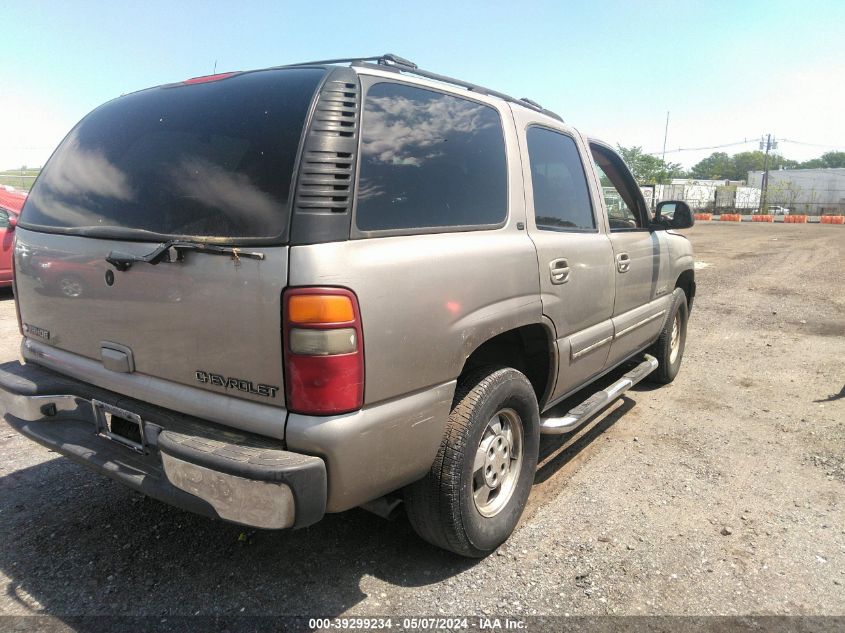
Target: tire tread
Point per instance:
(661, 348)
(432, 503)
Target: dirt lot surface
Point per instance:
(723, 493)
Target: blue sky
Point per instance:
(726, 70)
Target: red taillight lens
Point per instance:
(324, 351)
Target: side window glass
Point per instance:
(618, 212)
(4, 219)
(429, 160)
(617, 186)
(561, 196)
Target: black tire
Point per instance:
(668, 366)
(441, 507)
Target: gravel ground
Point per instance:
(722, 493)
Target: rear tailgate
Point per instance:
(208, 321)
(206, 163)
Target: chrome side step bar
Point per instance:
(598, 401)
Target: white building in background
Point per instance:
(805, 191)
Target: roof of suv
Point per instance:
(395, 63)
(392, 63)
(400, 64)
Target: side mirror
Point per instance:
(674, 214)
(13, 222)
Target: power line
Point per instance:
(744, 142)
(698, 149)
(789, 140)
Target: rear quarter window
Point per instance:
(429, 160)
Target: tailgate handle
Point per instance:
(117, 357)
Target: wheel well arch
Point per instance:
(686, 282)
(529, 349)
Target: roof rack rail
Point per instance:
(530, 102)
(403, 65)
(385, 60)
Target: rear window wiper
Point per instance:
(172, 251)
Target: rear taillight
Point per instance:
(324, 351)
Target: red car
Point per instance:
(11, 202)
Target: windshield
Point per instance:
(211, 160)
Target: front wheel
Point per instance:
(669, 347)
(473, 496)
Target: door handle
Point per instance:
(559, 270)
(623, 262)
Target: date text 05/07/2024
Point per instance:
(418, 623)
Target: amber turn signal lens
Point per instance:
(320, 309)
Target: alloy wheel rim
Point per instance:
(497, 463)
(675, 342)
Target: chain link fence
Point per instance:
(799, 195)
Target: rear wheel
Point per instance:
(471, 500)
(669, 348)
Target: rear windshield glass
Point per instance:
(206, 160)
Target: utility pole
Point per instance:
(768, 144)
(665, 134)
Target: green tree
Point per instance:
(756, 161)
(648, 169)
(828, 159)
(743, 162)
(720, 166)
(717, 166)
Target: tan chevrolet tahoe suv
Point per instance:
(264, 296)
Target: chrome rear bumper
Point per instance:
(180, 460)
(31, 408)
